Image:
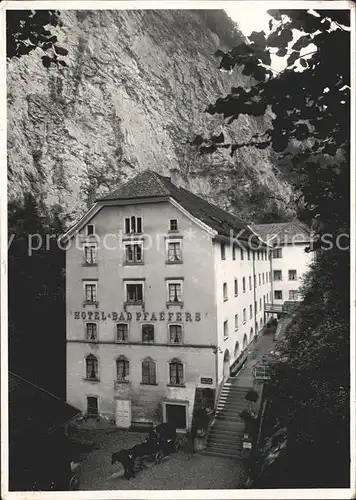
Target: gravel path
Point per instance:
(177, 472)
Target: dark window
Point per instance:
(175, 292)
(277, 253)
(250, 311)
(223, 251)
(244, 315)
(259, 278)
(277, 275)
(176, 372)
(236, 290)
(92, 331)
(92, 406)
(292, 274)
(278, 294)
(122, 369)
(225, 294)
(293, 294)
(242, 253)
(133, 224)
(175, 334)
(250, 282)
(90, 229)
(90, 293)
(92, 367)
(233, 252)
(148, 372)
(133, 254)
(243, 285)
(174, 252)
(148, 333)
(248, 254)
(173, 225)
(90, 254)
(134, 293)
(122, 332)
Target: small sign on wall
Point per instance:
(205, 380)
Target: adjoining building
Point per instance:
(164, 293)
(290, 260)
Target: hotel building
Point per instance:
(164, 294)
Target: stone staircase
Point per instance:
(225, 436)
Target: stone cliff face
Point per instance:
(132, 97)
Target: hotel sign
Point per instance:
(137, 316)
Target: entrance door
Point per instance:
(176, 415)
(92, 406)
(123, 413)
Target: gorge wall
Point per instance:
(133, 97)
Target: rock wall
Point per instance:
(132, 97)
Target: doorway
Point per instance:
(226, 364)
(176, 415)
(92, 406)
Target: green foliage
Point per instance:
(27, 30)
(36, 294)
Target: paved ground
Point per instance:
(179, 471)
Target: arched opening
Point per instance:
(226, 364)
(244, 343)
(251, 334)
(237, 349)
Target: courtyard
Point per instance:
(179, 471)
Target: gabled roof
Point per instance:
(149, 184)
(284, 232)
(34, 410)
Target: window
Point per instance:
(277, 275)
(248, 254)
(90, 229)
(266, 277)
(174, 251)
(90, 292)
(237, 349)
(236, 321)
(292, 274)
(223, 251)
(259, 278)
(176, 372)
(260, 304)
(175, 334)
(134, 292)
(148, 372)
(293, 294)
(133, 225)
(277, 253)
(254, 281)
(122, 330)
(258, 255)
(174, 292)
(250, 282)
(225, 296)
(122, 369)
(90, 252)
(91, 363)
(226, 330)
(244, 316)
(243, 285)
(134, 254)
(250, 311)
(244, 342)
(236, 289)
(173, 225)
(263, 278)
(148, 334)
(242, 253)
(233, 252)
(256, 306)
(251, 334)
(92, 331)
(278, 294)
